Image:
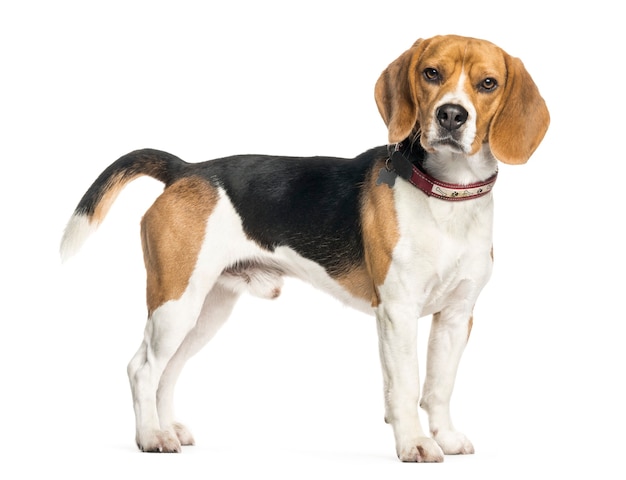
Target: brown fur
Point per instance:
(117, 183)
(380, 231)
(172, 232)
(359, 283)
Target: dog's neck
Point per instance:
(450, 166)
(446, 175)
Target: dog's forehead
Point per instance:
(472, 54)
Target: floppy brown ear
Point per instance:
(522, 118)
(395, 96)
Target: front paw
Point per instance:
(422, 450)
(453, 442)
(159, 441)
(184, 435)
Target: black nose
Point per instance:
(451, 116)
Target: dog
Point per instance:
(401, 231)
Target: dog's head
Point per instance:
(458, 93)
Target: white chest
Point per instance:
(444, 253)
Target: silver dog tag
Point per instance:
(387, 177)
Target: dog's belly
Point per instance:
(246, 266)
(310, 272)
(263, 277)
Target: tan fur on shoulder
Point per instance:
(380, 232)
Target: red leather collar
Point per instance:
(449, 191)
(432, 187)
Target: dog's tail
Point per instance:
(96, 202)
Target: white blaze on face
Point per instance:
(459, 96)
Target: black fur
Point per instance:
(311, 205)
(163, 166)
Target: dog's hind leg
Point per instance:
(177, 240)
(217, 307)
(166, 330)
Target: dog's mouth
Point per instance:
(448, 143)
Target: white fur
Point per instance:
(454, 167)
(78, 229)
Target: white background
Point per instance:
(292, 388)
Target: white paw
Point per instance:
(184, 435)
(159, 441)
(453, 442)
(422, 450)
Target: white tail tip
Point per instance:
(78, 229)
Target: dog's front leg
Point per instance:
(448, 336)
(397, 336)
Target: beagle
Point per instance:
(401, 231)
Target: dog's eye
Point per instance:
(431, 74)
(488, 84)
